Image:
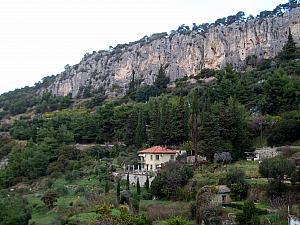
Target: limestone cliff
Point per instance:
(185, 55)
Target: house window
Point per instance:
(157, 157)
(151, 166)
(172, 157)
(151, 157)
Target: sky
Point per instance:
(39, 37)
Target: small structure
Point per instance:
(293, 220)
(151, 159)
(262, 153)
(222, 195)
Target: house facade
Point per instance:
(151, 159)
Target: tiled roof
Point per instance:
(157, 150)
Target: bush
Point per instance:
(238, 191)
(248, 216)
(234, 176)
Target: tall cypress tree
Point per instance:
(106, 187)
(138, 187)
(147, 183)
(155, 132)
(140, 131)
(194, 121)
(127, 182)
(118, 189)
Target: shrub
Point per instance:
(238, 191)
(234, 176)
(248, 216)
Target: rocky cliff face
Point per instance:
(185, 55)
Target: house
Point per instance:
(151, 159)
(222, 195)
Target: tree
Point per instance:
(140, 131)
(172, 176)
(138, 187)
(14, 210)
(235, 176)
(161, 80)
(194, 121)
(118, 189)
(276, 169)
(248, 216)
(49, 198)
(147, 184)
(279, 93)
(106, 187)
(289, 50)
(127, 182)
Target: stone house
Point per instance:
(222, 195)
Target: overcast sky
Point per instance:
(39, 37)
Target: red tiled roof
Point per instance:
(157, 150)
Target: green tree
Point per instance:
(248, 216)
(161, 80)
(138, 187)
(106, 187)
(147, 183)
(14, 210)
(140, 131)
(194, 121)
(118, 189)
(127, 182)
(289, 50)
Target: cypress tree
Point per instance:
(140, 131)
(118, 190)
(106, 187)
(147, 183)
(127, 182)
(138, 187)
(161, 80)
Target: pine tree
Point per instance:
(289, 50)
(127, 182)
(138, 187)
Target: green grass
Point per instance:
(212, 173)
(84, 218)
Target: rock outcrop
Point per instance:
(184, 55)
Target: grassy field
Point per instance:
(211, 174)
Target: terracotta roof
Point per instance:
(157, 150)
